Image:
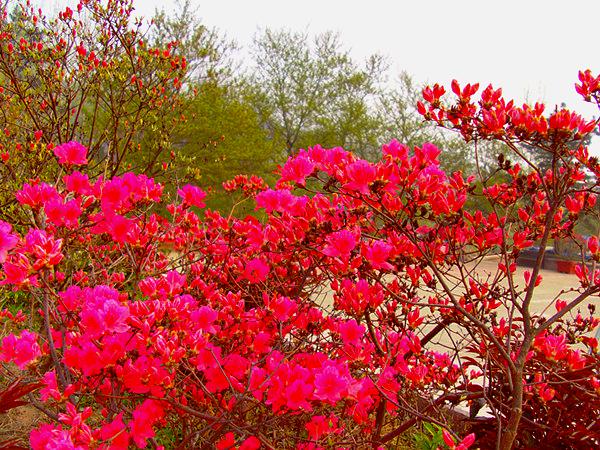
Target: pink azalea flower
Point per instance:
(114, 195)
(87, 358)
(113, 348)
(297, 169)
(192, 195)
(298, 394)
(71, 153)
(60, 213)
(116, 432)
(320, 426)
(145, 374)
(217, 380)
(204, 317)
(427, 154)
(280, 200)
(340, 244)
(114, 316)
(50, 436)
(227, 442)
(144, 418)
(78, 182)
(103, 313)
(575, 360)
(359, 175)
(552, 347)
(283, 308)
(593, 245)
(330, 385)
(8, 240)
(252, 443)
(462, 445)
(256, 270)
(546, 393)
(50, 389)
(417, 374)
(46, 249)
(328, 158)
(351, 332)
(35, 195)
(396, 150)
(20, 350)
(377, 254)
(120, 228)
(17, 272)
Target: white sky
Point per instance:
(533, 49)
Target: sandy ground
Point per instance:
(553, 285)
(18, 423)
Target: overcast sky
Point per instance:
(531, 48)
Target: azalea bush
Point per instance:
(351, 311)
(89, 74)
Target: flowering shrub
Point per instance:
(87, 75)
(321, 325)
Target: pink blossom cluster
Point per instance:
(312, 327)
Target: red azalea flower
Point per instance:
(71, 154)
(192, 195)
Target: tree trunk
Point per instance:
(516, 411)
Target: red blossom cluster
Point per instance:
(492, 117)
(53, 69)
(320, 325)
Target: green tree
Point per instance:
(223, 138)
(221, 135)
(312, 92)
(208, 53)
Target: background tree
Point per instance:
(223, 138)
(221, 135)
(312, 91)
(208, 53)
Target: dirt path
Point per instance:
(552, 284)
